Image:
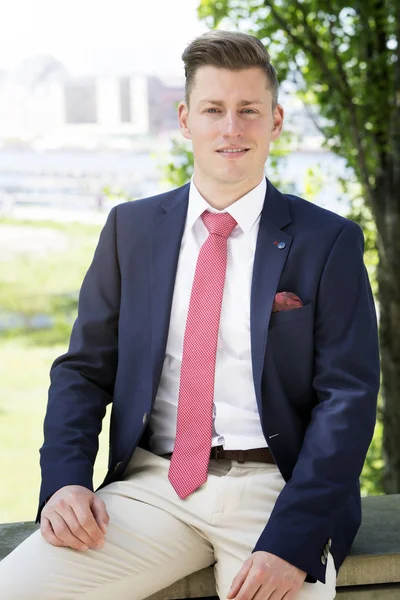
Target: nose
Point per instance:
(232, 125)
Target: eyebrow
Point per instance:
(220, 103)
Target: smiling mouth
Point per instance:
(233, 151)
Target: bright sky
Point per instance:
(100, 35)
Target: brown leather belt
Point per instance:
(254, 454)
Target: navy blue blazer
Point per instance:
(316, 368)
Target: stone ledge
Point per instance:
(369, 592)
(374, 557)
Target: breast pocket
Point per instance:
(290, 349)
(289, 316)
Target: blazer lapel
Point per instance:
(166, 243)
(272, 249)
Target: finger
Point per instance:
(250, 589)
(292, 595)
(66, 513)
(252, 583)
(47, 532)
(279, 594)
(100, 513)
(87, 521)
(64, 534)
(239, 579)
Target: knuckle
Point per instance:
(60, 529)
(75, 527)
(275, 579)
(85, 519)
(61, 503)
(259, 572)
(73, 495)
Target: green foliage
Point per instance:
(115, 194)
(55, 335)
(361, 214)
(314, 182)
(179, 166)
(371, 477)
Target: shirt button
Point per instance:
(144, 418)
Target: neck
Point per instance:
(219, 195)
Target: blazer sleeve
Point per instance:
(82, 380)
(346, 380)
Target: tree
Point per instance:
(346, 61)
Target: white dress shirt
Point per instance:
(236, 421)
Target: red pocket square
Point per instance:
(286, 301)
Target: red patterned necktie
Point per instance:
(189, 462)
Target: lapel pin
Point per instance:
(281, 245)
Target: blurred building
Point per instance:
(41, 102)
(163, 102)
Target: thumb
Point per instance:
(100, 513)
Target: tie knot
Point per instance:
(219, 223)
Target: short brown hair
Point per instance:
(228, 50)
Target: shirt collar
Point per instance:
(245, 211)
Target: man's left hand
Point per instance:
(265, 576)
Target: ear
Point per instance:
(183, 117)
(278, 122)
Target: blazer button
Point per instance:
(329, 543)
(323, 559)
(117, 466)
(144, 418)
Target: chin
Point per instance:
(233, 178)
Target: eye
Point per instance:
(249, 111)
(211, 110)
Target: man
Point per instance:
(233, 329)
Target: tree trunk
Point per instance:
(388, 225)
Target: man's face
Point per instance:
(231, 124)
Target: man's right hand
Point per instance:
(76, 518)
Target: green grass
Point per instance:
(24, 381)
(32, 284)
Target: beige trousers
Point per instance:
(154, 538)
